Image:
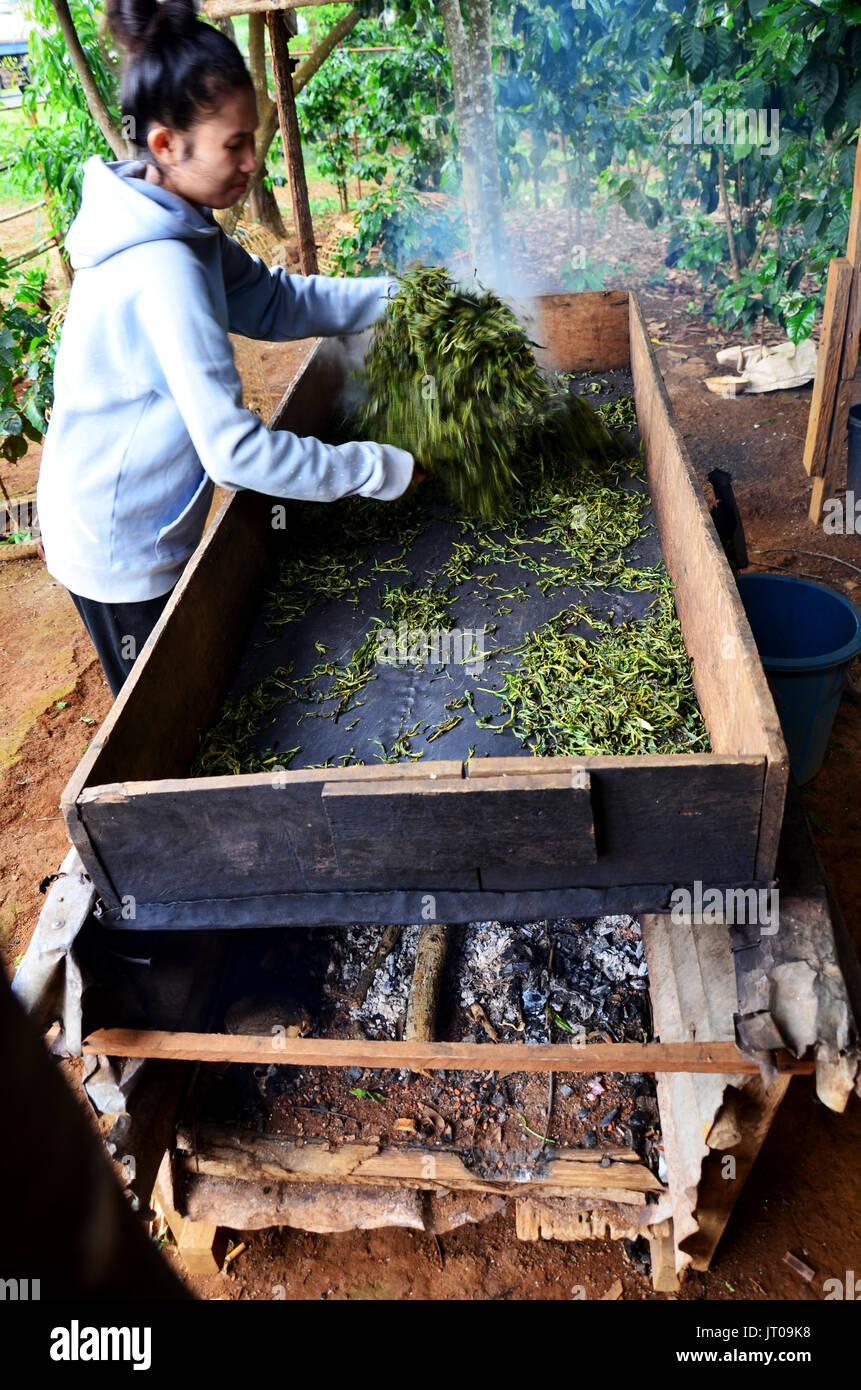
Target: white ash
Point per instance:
(384, 1008)
(386, 1001)
(597, 974)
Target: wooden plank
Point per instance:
(434, 1056)
(675, 817)
(828, 371)
(834, 473)
(730, 683)
(417, 834)
(582, 332)
(256, 833)
(665, 818)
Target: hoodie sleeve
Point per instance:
(236, 449)
(270, 304)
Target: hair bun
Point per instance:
(143, 24)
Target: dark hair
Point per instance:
(177, 67)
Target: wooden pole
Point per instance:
(842, 348)
(286, 102)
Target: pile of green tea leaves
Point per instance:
(584, 677)
(452, 377)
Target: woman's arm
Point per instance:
(275, 306)
(235, 447)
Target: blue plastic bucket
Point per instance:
(807, 636)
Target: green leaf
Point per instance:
(852, 105)
(846, 159)
(799, 325)
(692, 47)
(560, 1022)
(812, 222)
(10, 422)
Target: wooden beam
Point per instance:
(833, 474)
(828, 368)
(228, 9)
(219, 1152)
(731, 687)
(434, 1056)
(291, 139)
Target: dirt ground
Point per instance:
(803, 1194)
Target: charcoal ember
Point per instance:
(639, 1254)
(533, 1000)
(590, 1139)
(565, 1091)
(607, 1120)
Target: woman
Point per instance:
(148, 408)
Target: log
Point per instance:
(427, 979)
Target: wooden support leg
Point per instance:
(201, 1245)
(663, 1252)
(286, 101)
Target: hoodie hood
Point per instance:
(120, 209)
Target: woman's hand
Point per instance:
(418, 476)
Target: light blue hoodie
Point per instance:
(148, 408)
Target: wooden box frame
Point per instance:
(509, 838)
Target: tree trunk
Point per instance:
(481, 63)
(292, 142)
(266, 107)
(474, 113)
(264, 206)
(735, 272)
(262, 198)
(95, 101)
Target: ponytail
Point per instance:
(177, 68)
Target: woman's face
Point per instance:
(211, 164)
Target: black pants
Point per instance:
(119, 631)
